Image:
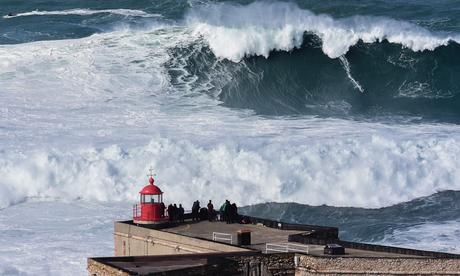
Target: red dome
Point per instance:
(151, 190)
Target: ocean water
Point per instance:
(354, 105)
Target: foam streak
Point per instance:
(82, 12)
(346, 66)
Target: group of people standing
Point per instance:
(204, 213)
(229, 212)
(176, 214)
(196, 208)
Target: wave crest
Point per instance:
(235, 31)
(125, 12)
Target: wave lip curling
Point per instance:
(235, 31)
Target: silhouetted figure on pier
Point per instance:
(211, 212)
(163, 208)
(195, 210)
(203, 214)
(170, 212)
(175, 212)
(181, 213)
(226, 211)
(222, 212)
(233, 213)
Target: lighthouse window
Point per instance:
(149, 199)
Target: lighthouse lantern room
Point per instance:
(151, 208)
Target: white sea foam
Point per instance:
(417, 89)
(433, 236)
(235, 31)
(125, 12)
(85, 118)
(56, 238)
(340, 172)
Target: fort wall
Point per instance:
(188, 249)
(320, 265)
(132, 240)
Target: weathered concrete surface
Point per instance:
(132, 240)
(315, 265)
(260, 235)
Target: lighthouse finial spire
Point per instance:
(151, 172)
(151, 175)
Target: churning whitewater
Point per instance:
(346, 104)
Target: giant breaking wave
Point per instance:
(234, 31)
(146, 82)
(280, 59)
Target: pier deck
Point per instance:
(262, 235)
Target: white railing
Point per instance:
(222, 237)
(136, 212)
(286, 247)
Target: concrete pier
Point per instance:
(276, 248)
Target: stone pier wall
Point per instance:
(267, 264)
(96, 268)
(309, 265)
(239, 263)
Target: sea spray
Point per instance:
(344, 172)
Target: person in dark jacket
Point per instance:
(222, 213)
(195, 211)
(162, 208)
(170, 212)
(233, 213)
(211, 214)
(181, 213)
(175, 212)
(227, 214)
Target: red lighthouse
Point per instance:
(151, 208)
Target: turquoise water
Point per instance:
(413, 71)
